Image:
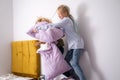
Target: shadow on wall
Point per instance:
(88, 60)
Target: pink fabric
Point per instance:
(49, 35)
(53, 60)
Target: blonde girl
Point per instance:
(75, 42)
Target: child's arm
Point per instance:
(32, 32)
(39, 42)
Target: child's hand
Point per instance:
(34, 30)
(37, 43)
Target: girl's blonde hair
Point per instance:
(65, 10)
(41, 19)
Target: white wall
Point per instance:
(98, 22)
(6, 35)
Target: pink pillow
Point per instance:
(53, 62)
(49, 35)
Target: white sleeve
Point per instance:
(62, 23)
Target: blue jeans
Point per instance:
(72, 57)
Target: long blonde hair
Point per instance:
(65, 10)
